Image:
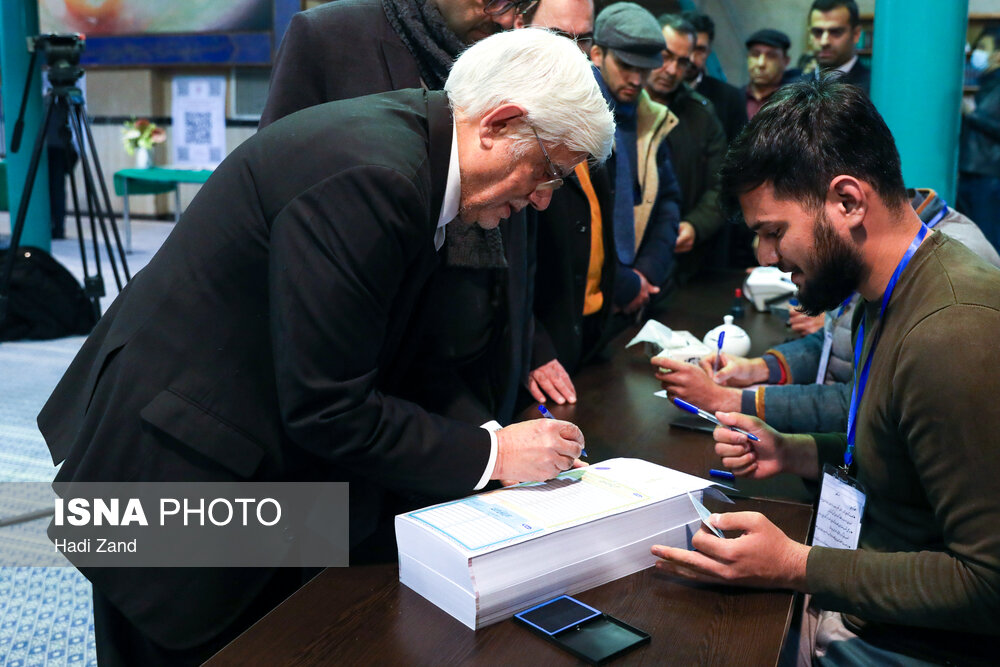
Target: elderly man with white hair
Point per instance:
(265, 339)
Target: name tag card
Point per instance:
(841, 506)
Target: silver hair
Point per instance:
(546, 74)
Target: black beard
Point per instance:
(837, 270)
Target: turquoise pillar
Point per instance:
(917, 67)
(19, 19)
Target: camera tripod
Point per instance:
(65, 101)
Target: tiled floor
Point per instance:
(45, 613)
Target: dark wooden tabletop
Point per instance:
(362, 615)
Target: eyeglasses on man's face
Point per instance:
(501, 7)
(584, 40)
(555, 177)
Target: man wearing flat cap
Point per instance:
(646, 198)
(767, 60)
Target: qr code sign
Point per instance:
(197, 128)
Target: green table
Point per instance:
(154, 181)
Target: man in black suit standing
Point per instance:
(266, 339)
(475, 362)
(834, 28)
(728, 100)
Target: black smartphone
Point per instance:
(581, 630)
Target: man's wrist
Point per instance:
(730, 399)
(797, 565)
(494, 463)
(801, 455)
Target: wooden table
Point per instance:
(362, 615)
(154, 181)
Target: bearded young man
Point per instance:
(924, 581)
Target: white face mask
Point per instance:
(979, 59)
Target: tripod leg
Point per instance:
(22, 209)
(79, 222)
(93, 285)
(88, 179)
(104, 188)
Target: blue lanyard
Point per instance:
(862, 379)
(843, 306)
(937, 218)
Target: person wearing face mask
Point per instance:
(979, 146)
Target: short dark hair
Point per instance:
(701, 23)
(678, 23)
(829, 5)
(808, 133)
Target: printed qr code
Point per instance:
(197, 128)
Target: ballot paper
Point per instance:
(704, 515)
(485, 557)
(676, 345)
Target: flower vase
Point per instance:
(143, 158)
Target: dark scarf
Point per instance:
(626, 167)
(422, 29)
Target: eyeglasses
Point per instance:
(501, 7)
(555, 178)
(584, 41)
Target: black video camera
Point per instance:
(62, 54)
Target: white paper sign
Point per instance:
(198, 132)
(838, 518)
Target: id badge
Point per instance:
(841, 506)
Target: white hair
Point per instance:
(546, 74)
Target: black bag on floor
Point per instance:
(46, 301)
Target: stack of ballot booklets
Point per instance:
(488, 556)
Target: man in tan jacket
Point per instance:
(645, 198)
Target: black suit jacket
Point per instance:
(697, 146)
(265, 340)
(729, 102)
(564, 231)
(348, 48)
(859, 75)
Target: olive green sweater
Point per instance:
(928, 568)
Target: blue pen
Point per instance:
(715, 366)
(548, 415)
(684, 405)
(722, 474)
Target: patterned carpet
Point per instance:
(45, 612)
